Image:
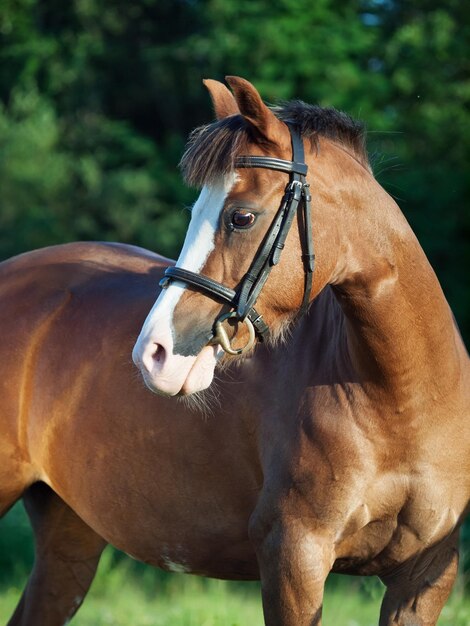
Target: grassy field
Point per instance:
(126, 593)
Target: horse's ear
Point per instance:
(222, 99)
(256, 113)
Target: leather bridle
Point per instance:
(243, 299)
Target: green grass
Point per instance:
(125, 593)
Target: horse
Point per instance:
(364, 446)
(338, 442)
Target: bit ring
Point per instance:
(221, 337)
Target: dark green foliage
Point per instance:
(97, 98)
(16, 547)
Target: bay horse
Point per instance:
(338, 443)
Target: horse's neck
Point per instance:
(400, 331)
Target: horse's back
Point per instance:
(83, 256)
(36, 286)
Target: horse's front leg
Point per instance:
(418, 590)
(294, 561)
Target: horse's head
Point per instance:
(254, 204)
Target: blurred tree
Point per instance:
(74, 163)
(423, 53)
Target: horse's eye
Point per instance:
(243, 219)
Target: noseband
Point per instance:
(244, 297)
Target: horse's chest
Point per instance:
(427, 517)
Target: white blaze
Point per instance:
(198, 244)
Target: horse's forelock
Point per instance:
(212, 149)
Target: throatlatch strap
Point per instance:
(308, 256)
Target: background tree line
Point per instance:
(97, 98)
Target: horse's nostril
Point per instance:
(154, 357)
(159, 353)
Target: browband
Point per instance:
(272, 163)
